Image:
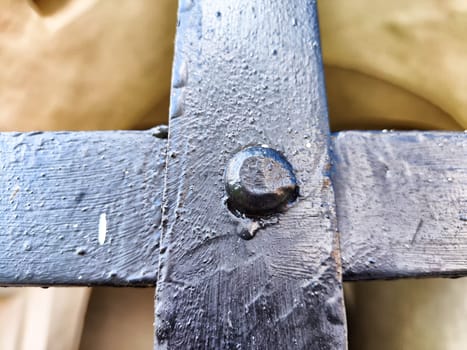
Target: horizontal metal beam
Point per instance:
(80, 208)
(401, 203)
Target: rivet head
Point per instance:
(259, 181)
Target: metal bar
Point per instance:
(80, 208)
(401, 198)
(248, 73)
(401, 203)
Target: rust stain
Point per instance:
(15, 192)
(326, 182)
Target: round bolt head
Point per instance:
(259, 181)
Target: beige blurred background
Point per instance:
(89, 64)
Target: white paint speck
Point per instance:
(102, 228)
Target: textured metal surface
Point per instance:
(248, 73)
(259, 181)
(401, 203)
(80, 208)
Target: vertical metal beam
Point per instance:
(248, 73)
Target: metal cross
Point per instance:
(250, 215)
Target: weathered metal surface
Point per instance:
(80, 208)
(401, 203)
(259, 181)
(248, 73)
(401, 200)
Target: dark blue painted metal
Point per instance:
(80, 208)
(259, 182)
(401, 203)
(248, 72)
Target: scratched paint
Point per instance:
(102, 228)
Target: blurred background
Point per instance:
(89, 64)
